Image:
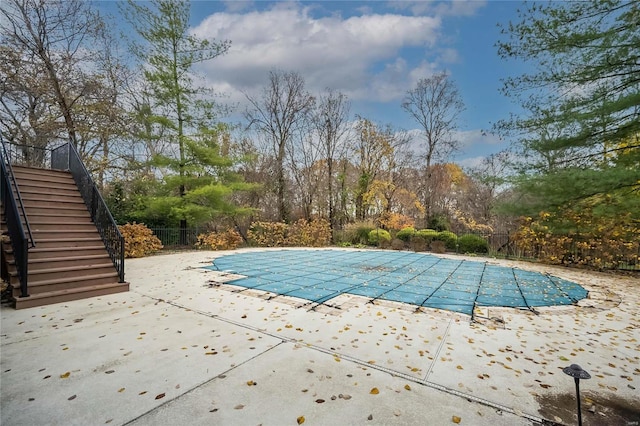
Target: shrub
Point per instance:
(227, 240)
(268, 234)
(418, 243)
(397, 244)
(405, 234)
(314, 233)
(379, 237)
(139, 240)
(427, 234)
(362, 234)
(303, 233)
(448, 238)
(438, 246)
(471, 243)
(597, 241)
(358, 233)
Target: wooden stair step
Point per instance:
(48, 181)
(60, 296)
(62, 249)
(66, 232)
(30, 194)
(72, 279)
(66, 275)
(52, 213)
(35, 197)
(71, 240)
(58, 221)
(71, 268)
(68, 243)
(45, 190)
(71, 207)
(57, 228)
(89, 259)
(41, 173)
(55, 284)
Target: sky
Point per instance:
(372, 51)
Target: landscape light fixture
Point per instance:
(575, 371)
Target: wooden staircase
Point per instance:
(69, 260)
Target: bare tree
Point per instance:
(53, 34)
(279, 114)
(25, 117)
(436, 105)
(330, 122)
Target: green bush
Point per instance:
(448, 238)
(379, 237)
(471, 243)
(362, 234)
(405, 234)
(427, 235)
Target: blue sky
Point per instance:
(373, 51)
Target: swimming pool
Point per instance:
(415, 278)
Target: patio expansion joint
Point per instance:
(437, 354)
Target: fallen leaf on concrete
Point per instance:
(65, 375)
(160, 396)
(374, 391)
(300, 420)
(456, 419)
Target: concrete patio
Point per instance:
(183, 347)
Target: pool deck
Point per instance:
(182, 347)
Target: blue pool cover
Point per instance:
(414, 278)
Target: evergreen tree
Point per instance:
(582, 103)
(198, 181)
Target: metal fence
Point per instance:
(173, 238)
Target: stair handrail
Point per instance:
(14, 223)
(66, 157)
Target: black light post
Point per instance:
(575, 371)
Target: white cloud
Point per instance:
(359, 55)
(476, 136)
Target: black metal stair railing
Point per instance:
(12, 204)
(66, 157)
